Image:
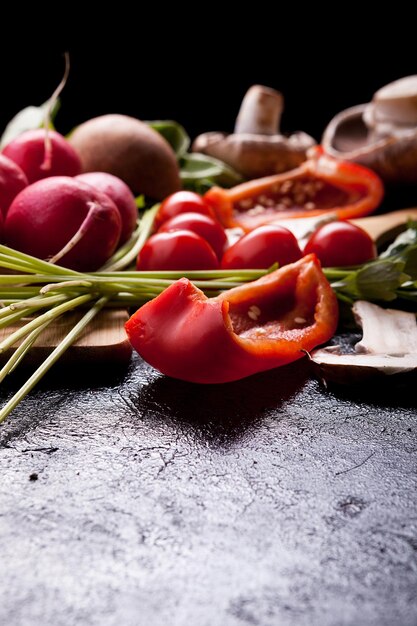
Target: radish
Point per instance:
(12, 181)
(121, 195)
(41, 153)
(64, 220)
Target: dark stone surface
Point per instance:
(142, 500)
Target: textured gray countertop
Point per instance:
(142, 500)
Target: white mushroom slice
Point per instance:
(385, 331)
(384, 363)
(388, 346)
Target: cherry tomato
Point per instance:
(261, 248)
(177, 250)
(202, 225)
(182, 202)
(339, 244)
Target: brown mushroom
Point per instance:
(382, 134)
(256, 148)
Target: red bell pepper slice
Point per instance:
(321, 184)
(251, 328)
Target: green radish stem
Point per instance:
(15, 317)
(47, 160)
(36, 302)
(65, 285)
(38, 321)
(31, 264)
(142, 233)
(51, 359)
(20, 352)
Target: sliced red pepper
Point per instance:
(321, 184)
(251, 328)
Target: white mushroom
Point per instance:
(388, 346)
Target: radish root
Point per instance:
(92, 215)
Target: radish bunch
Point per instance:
(50, 210)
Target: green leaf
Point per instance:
(402, 243)
(404, 249)
(198, 172)
(197, 169)
(411, 262)
(174, 133)
(380, 280)
(140, 201)
(27, 119)
(196, 166)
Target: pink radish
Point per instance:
(12, 180)
(66, 221)
(41, 154)
(121, 195)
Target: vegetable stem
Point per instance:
(143, 232)
(39, 284)
(38, 321)
(51, 359)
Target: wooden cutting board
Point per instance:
(383, 228)
(105, 341)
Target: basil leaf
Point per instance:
(27, 119)
(174, 133)
(199, 169)
(196, 166)
(405, 240)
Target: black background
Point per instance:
(197, 73)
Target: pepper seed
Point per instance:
(254, 312)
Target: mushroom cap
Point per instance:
(255, 156)
(396, 103)
(381, 135)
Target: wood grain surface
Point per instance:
(104, 339)
(384, 227)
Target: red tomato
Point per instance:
(202, 225)
(261, 248)
(177, 250)
(182, 202)
(339, 244)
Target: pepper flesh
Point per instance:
(248, 329)
(321, 184)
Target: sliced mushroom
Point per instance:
(256, 148)
(388, 347)
(382, 134)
